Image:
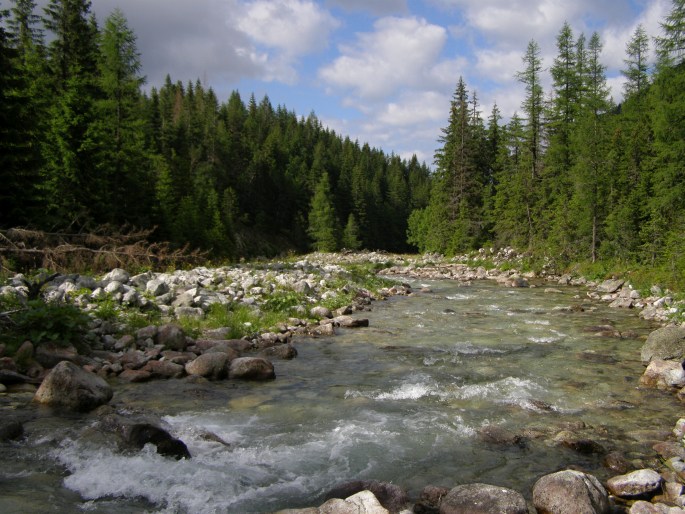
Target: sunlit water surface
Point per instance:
(402, 401)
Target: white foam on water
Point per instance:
(509, 390)
(415, 387)
(469, 348)
(554, 338)
(263, 465)
(544, 322)
(458, 296)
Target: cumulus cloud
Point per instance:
(399, 52)
(376, 7)
(294, 27)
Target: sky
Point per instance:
(378, 71)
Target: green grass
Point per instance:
(242, 320)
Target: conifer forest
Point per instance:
(573, 176)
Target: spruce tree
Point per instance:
(72, 186)
(323, 225)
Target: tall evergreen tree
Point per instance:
(590, 175)
(666, 203)
(123, 163)
(71, 184)
(322, 219)
(532, 107)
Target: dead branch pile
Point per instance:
(128, 248)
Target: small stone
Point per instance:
(635, 484)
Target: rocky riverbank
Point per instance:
(312, 297)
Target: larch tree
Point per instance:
(590, 173)
(533, 106)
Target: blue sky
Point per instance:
(380, 71)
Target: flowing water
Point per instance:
(402, 401)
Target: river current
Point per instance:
(403, 401)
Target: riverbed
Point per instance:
(403, 401)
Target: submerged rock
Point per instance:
(71, 387)
(10, 430)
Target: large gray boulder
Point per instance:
(71, 387)
(171, 337)
(251, 368)
(570, 492)
(665, 343)
(213, 366)
(483, 499)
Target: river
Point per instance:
(402, 401)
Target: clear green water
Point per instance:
(402, 401)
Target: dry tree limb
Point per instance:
(93, 251)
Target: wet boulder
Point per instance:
(282, 351)
(213, 366)
(492, 434)
(637, 484)
(140, 434)
(251, 368)
(429, 502)
(570, 492)
(580, 445)
(392, 497)
(363, 502)
(664, 343)
(663, 374)
(71, 387)
(11, 430)
(483, 499)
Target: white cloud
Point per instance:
(294, 27)
(399, 52)
(414, 108)
(377, 7)
(498, 65)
